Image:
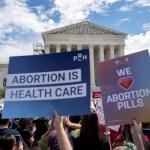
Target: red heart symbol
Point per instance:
(126, 82)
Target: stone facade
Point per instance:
(103, 43)
(3, 74)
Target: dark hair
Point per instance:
(3, 121)
(7, 142)
(40, 122)
(126, 133)
(75, 119)
(146, 125)
(41, 127)
(24, 123)
(90, 130)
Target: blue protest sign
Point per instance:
(40, 84)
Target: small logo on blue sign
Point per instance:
(79, 57)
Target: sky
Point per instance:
(23, 21)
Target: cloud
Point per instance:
(20, 26)
(23, 21)
(21, 16)
(122, 20)
(134, 3)
(146, 26)
(15, 49)
(135, 43)
(77, 10)
(125, 8)
(142, 2)
(20, 23)
(37, 18)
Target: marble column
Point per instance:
(47, 49)
(58, 48)
(112, 52)
(79, 47)
(92, 70)
(69, 47)
(121, 50)
(1, 77)
(101, 49)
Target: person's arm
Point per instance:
(45, 137)
(107, 135)
(137, 135)
(63, 141)
(73, 125)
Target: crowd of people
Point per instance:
(71, 133)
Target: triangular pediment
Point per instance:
(85, 27)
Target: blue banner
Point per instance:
(40, 84)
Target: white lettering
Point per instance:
(47, 93)
(123, 72)
(57, 77)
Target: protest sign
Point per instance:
(100, 112)
(125, 87)
(39, 85)
(96, 96)
(101, 119)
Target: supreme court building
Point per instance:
(103, 44)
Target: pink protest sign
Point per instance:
(125, 87)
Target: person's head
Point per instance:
(4, 121)
(41, 125)
(17, 121)
(40, 122)
(90, 127)
(75, 119)
(7, 142)
(24, 123)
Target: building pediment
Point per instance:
(85, 27)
